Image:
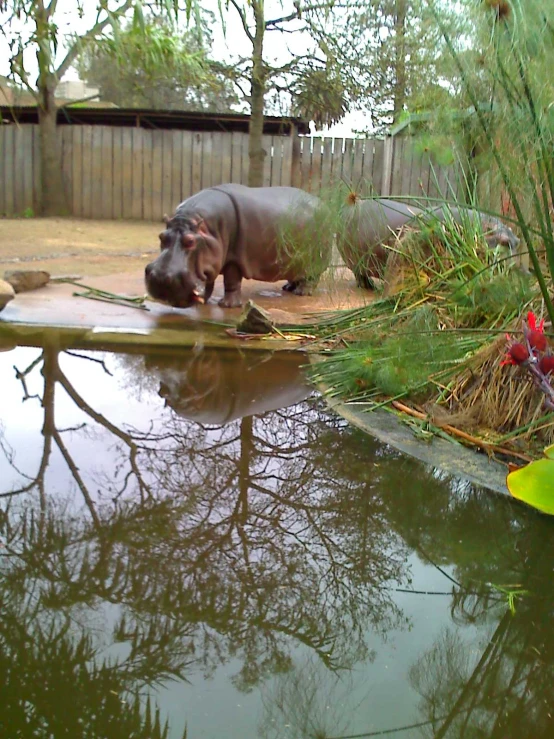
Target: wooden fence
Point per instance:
(116, 172)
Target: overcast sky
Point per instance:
(226, 45)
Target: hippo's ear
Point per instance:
(188, 241)
(166, 219)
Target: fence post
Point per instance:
(388, 153)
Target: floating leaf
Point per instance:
(534, 484)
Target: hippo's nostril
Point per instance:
(148, 270)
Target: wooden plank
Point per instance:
(117, 178)
(317, 150)
(286, 160)
(27, 143)
(196, 162)
(236, 157)
(367, 186)
(336, 164)
(267, 146)
(245, 159)
(18, 201)
(167, 172)
(397, 164)
(347, 162)
(176, 170)
(326, 165)
(9, 174)
(206, 161)
(357, 164)
(296, 157)
(77, 171)
(147, 175)
(86, 171)
(226, 157)
(406, 166)
(96, 183)
(65, 139)
(277, 160)
(137, 180)
(378, 165)
(218, 139)
(306, 163)
(186, 166)
(107, 172)
(127, 172)
(157, 167)
(37, 169)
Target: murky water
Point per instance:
(193, 543)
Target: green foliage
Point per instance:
(151, 63)
(487, 300)
(308, 249)
(397, 360)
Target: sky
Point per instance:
(227, 45)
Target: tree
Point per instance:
(396, 52)
(156, 66)
(326, 101)
(55, 53)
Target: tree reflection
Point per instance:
(193, 544)
(494, 676)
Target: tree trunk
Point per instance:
(400, 60)
(53, 199)
(256, 153)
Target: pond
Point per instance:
(193, 545)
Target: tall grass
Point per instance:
(518, 128)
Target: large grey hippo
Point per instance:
(233, 230)
(370, 226)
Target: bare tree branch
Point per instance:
(242, 16)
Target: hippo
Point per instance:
(374, 224)
(233, 230)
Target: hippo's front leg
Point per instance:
(232, 279)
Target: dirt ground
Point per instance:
(64, 246)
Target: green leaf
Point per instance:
(534, 485)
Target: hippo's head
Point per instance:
(190, 260)
(498, 234)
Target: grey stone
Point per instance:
(6, 294)
(254, 320)
(23, 280)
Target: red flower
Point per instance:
(535, 335)
(516, 354)
(546, 364)
(532, 321)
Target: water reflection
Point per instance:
(167, 517)
(170, 547)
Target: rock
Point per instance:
(23, 280)
(6, 294)
(254, 320)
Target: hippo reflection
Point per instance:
(217, 387)
(373, 224)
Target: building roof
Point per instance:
(153, 119)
